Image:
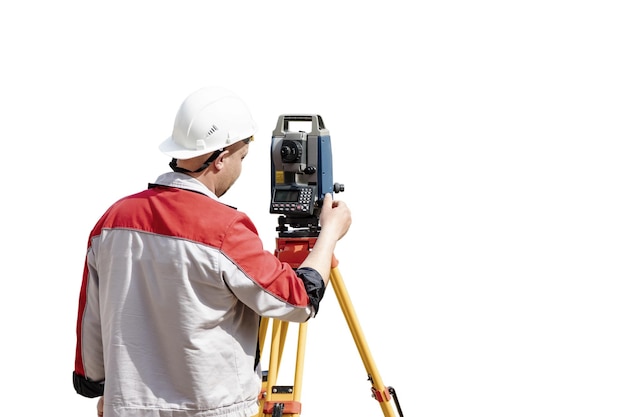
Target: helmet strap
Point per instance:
(205, 165)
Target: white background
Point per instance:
(481, 145)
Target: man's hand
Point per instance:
(101, 407)
(335, 220)
(336, 216)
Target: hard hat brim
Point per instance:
(170, 148)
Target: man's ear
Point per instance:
(219, 161)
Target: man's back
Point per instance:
(175, 335)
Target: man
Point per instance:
(175, 282)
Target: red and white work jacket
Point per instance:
(173, 289)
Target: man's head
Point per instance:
(211, 125)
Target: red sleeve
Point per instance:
(243, 246)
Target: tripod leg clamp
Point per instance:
(289, 407)
(381, 396)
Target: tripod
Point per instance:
(280, 400)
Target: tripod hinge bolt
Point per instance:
(282, 389)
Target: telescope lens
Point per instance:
(291, 151)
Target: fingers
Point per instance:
(328, 202)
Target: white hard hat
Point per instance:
(209, 119)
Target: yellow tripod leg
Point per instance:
(379, 391)
(286, 398)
